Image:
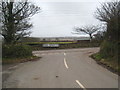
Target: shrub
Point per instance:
(108, 49)
(16, 51)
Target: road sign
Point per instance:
(50, 45)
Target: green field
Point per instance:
(48, 42)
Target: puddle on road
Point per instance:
(36, 78)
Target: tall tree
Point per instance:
(15, 18)
(110, 14)
(88, 29)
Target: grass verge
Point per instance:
(19, 60)
(110, 63)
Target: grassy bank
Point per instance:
(109, 63)
(108, 55)
(19, 60)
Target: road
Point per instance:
(70, 68)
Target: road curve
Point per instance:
(71, 68)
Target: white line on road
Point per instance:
(65, 63)
(13, 67)
(64, 54)
(80, 85)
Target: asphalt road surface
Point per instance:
(70, 68)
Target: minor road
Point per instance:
(70, 68)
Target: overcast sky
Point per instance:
(57, 18)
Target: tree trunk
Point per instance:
(10, 25)
(90, 37)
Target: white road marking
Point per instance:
(13, 67)
(80, 85)
(65, 63)
(64, 54)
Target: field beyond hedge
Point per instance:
(63, 45)
(48, 42)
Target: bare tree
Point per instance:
(99, 36)
(88, 29)
(15, 18)
(109, 12)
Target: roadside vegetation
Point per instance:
(15, 25)
(109, 49)
(17, 53)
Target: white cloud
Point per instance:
(59, 18)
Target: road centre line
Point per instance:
(80, 85)
(76, 80)
(65, 63)
(64, 54)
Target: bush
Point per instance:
(16, 51)
(109, 49)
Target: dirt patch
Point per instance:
(36, 78)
